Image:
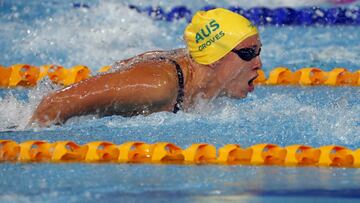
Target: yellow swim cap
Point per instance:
(214, 33)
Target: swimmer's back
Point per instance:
(177, 55)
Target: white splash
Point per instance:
(15, 113)
(94, 37)
(342, 54)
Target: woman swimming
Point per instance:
(221, 59)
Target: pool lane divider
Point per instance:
(26, 75)
(283, 16)
(169, 153)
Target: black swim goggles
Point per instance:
(247, 54)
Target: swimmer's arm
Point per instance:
(121, 92)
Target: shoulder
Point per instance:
(155, 67)
(159, 72)
(147, 79)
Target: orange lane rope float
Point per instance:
(28, 76)
(169, 153)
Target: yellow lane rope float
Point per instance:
(28, 76)
(169, 153)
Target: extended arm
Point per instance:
(148, 86)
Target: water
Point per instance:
(56, 32)
(92, 183)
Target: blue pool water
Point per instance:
(56, 32)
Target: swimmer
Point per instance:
(221, 59)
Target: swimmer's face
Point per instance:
(240, 73)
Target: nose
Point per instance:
(257, 63)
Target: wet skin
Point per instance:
(146, 84)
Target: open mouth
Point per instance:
(251, 83)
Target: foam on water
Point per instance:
(13, 112)
(323, 47)
(17, 106)
(94, 37)
(282, 115)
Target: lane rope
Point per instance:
(26, 75)
(169, 153)
(307, 16)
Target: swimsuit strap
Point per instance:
(180, 96)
